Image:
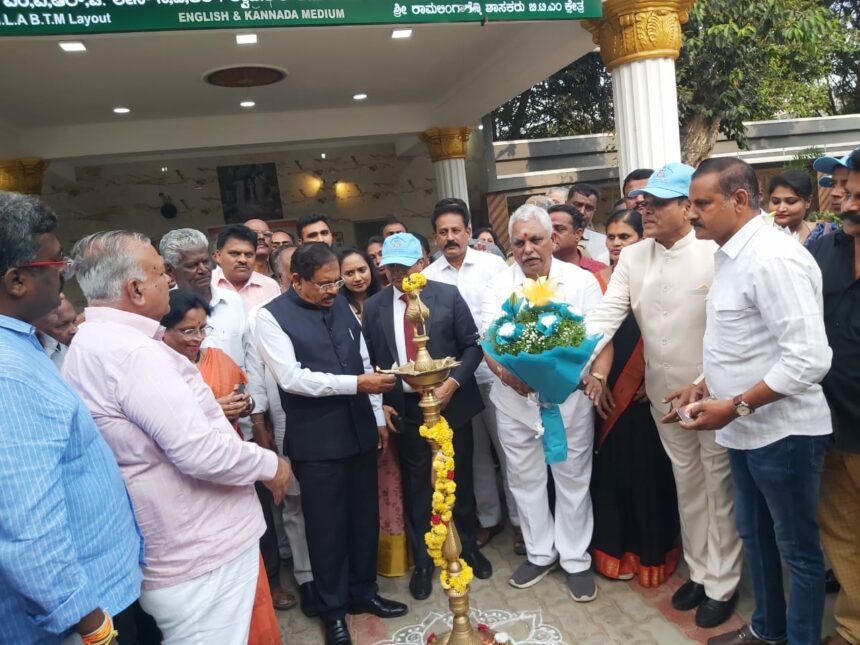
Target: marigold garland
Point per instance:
(443, 500)
(413, 282)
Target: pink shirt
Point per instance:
(258, 290)
(189, 476)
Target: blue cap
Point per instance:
(828, 164)
(671, 181)
(826, 181)
(401, 248)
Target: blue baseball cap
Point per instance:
(828, 164)
(826, 181)
(401, 248)
(671, 181)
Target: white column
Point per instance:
(646, 114)
(451, 179)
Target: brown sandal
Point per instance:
(485, 534)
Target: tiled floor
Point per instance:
(623, 612)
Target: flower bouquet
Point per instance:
(544, 343)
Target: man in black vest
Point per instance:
(312, 344)
(452, 333)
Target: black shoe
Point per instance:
(308, 600)
(715, 612)
(336, 633)
(831, 584)
(421, 583)
(481, 567)
(379, 606)
(689, 596)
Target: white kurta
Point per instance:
(567, 536)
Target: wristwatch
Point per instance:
(742, 408)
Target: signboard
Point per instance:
(80, 17)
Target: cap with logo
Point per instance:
(669, 182)
(401, 248)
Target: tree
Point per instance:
(576, 99)
(845, 74)
(740, 61)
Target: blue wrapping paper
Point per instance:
(554, 375)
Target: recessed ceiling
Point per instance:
(445, 74)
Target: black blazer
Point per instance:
(452, 333)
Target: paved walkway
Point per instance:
(623, 612)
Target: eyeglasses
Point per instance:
(655, 204)
(65, 265)
(328, 286)
(195, 332)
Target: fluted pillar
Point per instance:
(447, 148)
(22, 175)
(639, 43)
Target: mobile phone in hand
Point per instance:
(683, 415)
(240, 389)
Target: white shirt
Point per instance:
(595, 244)
(264, 390)
(399, 337)
(276, 350)
(229, 325)
(577, 287)
(471, 280)
(55, 350)
(765, 321)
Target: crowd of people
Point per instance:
(217, 413)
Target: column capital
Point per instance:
(632, 30)
(446, 143)
(22, 175)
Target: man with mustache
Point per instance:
(838, 256)
(56, 330)
(765, 352)
(564, 539)
(312, 345)
(470, 271)
(235, 253)
(836, 171)
(664, 281)
(265, 244)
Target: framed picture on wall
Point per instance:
(250, 191)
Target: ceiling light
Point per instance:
(480, 126)
(359, 97)
(247, 104)
(121, 110)
(75, 46)
(401, 33)
(246, 39)
(322, 155)
(164, 169)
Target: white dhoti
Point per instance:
(567, 536)
(214, 608)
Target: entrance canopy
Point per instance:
(59, 105)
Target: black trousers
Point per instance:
(269, 540)
(416, 463)
(341, 509)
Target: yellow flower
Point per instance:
(413, 282)
(539, 292)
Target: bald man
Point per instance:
(264, 245)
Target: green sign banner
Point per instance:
(80, 17)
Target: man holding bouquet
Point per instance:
(564, 539)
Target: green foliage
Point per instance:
(568, 333)
(756, 60)
(803, 161)
(575, 100)
(740, 61)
